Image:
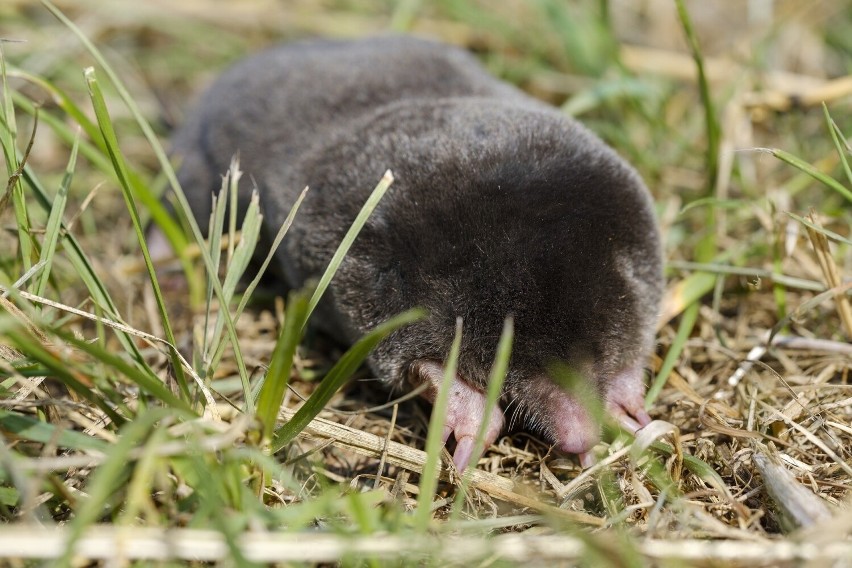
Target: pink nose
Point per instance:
(566, 418)
(575, 429)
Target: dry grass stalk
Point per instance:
(799, 504)
(208, 396)
(830, 272)
(133, 543)
(412, 459)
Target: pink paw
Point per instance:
(465, 411)
(626, 399)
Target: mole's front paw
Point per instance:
(465, 412)
(626, 399)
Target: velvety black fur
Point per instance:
(501, 205)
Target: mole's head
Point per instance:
(580, 274)
(500, 211)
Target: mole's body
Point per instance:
(500, 206)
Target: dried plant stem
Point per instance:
(208, 396)
(830, 273)
(412, 459)
(129, 543)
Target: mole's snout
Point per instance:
(571, 420)
(575, 428)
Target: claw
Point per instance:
(642, 416)
(465, 412)
(446, 435)
(463, 453)
(587, 459)
(626, 399)
(627, 422)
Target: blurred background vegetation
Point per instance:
(623, 67)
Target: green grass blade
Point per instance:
(25, 343)
(149, 383)
(694, 465)
(831, 235)
(96, 154)
(687, 322)
(404, 15)
(143, 478)
(9, 497)
(281, 363)
(605, 91)
(776, 275)
(8, 139)
(349, 238)
(276, 242)
(588, 42)
(270, 254)
(110, 476)
(431, 470)
(210, 489)
(339, 374)
(802, 309)
(839, 141)
(241, 256)
(64, 102)
(214, 237)
(105, 125)
(690, 290)
(713, 202)
(711, 123)
(707, 247)
(170, 174)
(7, 111)
(496, 378)
(214, 228)
(234, 180)
(808, 169)
(28, 275)
(29, 428)
(238, 261)
(84, 269)
(54, 220)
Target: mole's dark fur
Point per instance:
(501, 205)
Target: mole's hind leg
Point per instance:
(625, 399)
(465, 411)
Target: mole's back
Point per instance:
(274, 106)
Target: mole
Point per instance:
(501, 206)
